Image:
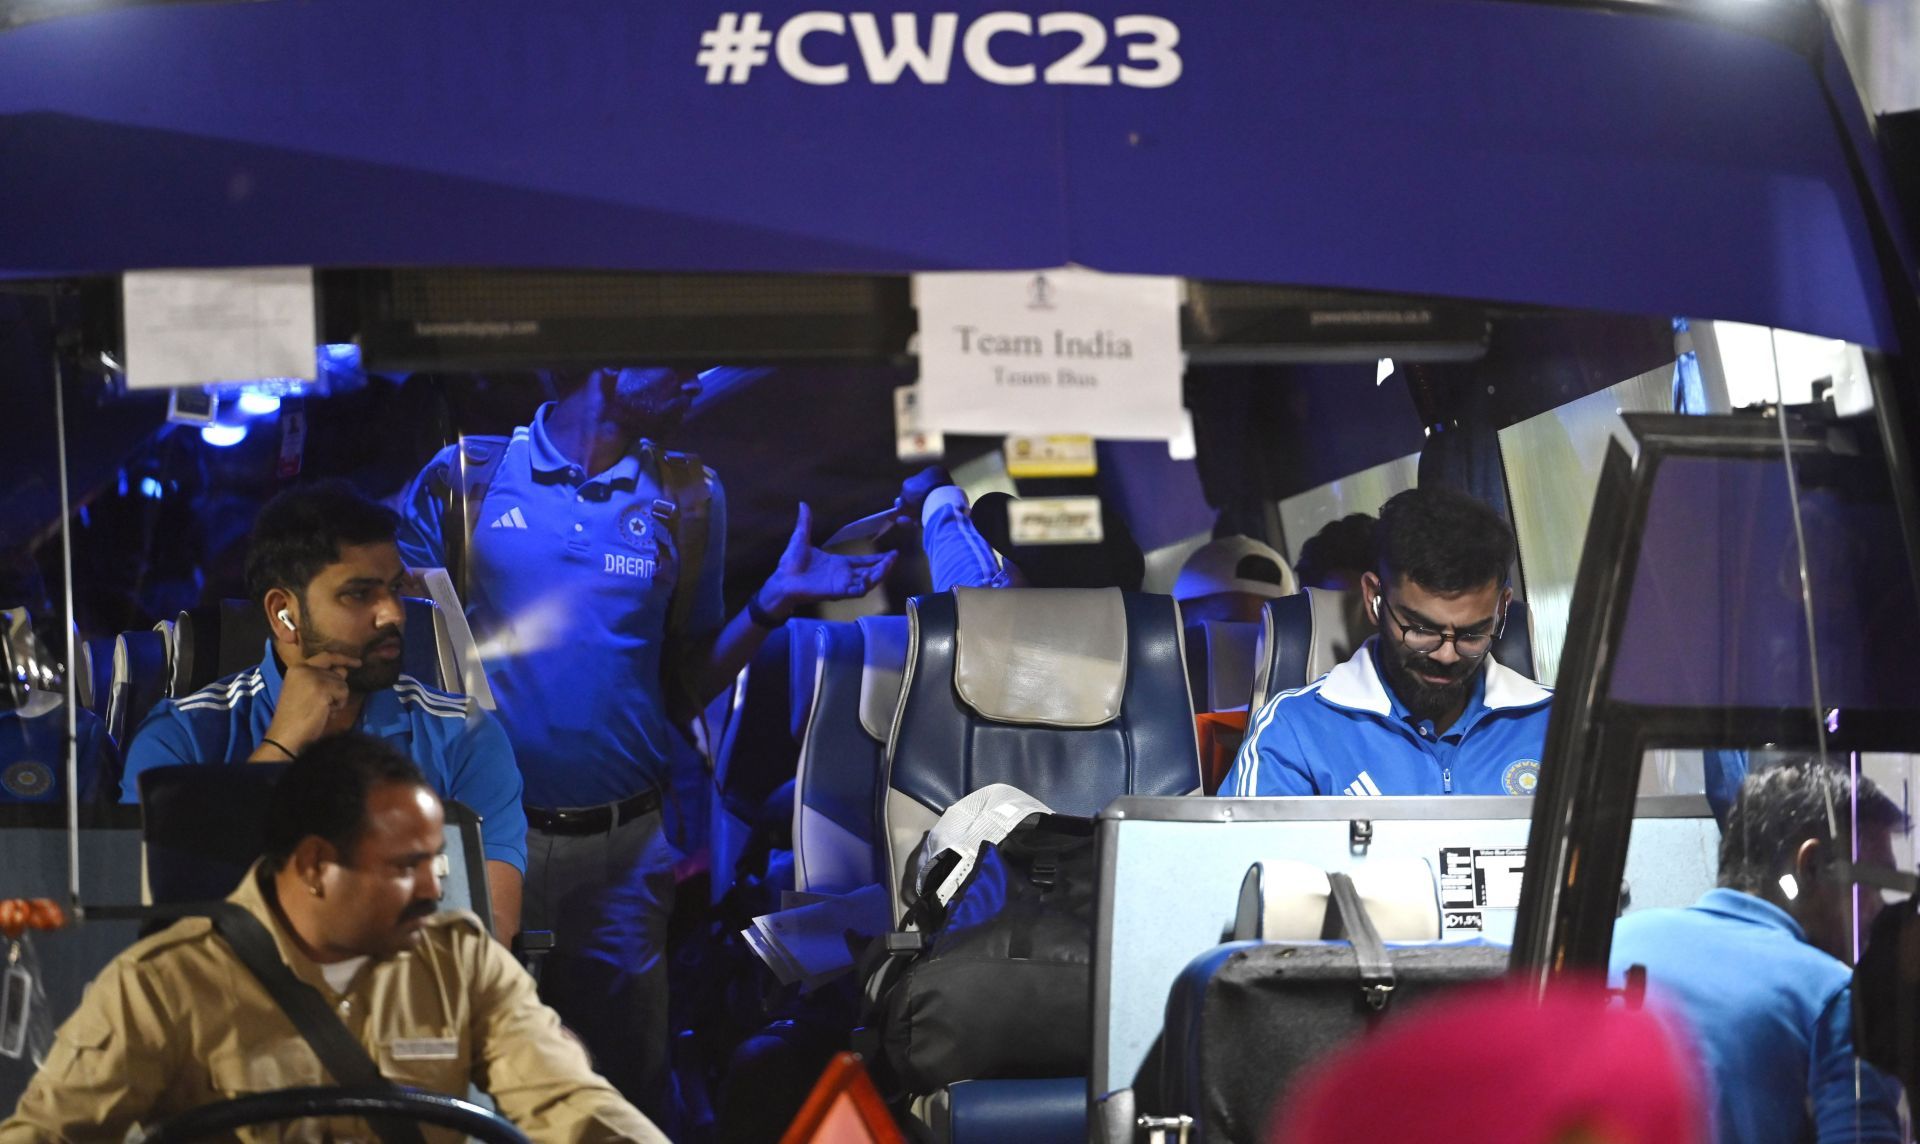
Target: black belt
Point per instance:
(593, 819)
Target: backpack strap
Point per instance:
(462, 482)
(1347, 917)
(687, 516)
(689, 487)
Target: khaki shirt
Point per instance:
(178, 1021)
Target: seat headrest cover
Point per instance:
(884, 648)
(1402, 897)
(1055, 657)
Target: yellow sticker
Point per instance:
(1056, 455)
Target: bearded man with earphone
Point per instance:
(323, 566)
(1422, 708)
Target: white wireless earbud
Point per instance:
(285, 619)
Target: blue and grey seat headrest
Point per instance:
(883, 641)
(1054, 657)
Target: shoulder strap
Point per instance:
(475, 461)
(685, 481)
(686, 516)
(343, 1056)
(1376, 965)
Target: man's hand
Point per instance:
(311, 694)
(807, 575)
(914, 490)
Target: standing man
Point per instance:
(323, 566)
(349, 900)
(1758, 966)
(596, 635)
(1421, 708)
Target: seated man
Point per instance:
(1421, 708)
(348, 892)
(1757, 967)
(1338, 555)
(323, 564)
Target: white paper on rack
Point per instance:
(809, 944)
(199, 327)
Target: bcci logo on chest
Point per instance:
(637, 531)
(1522, 777)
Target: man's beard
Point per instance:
(648, 406)
(1423, 700)
(372, 674)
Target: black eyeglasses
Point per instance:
(1425, 641)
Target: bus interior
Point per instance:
(1716, 525)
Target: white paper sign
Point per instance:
(196, 327)
(1054, 520)
(1058, 351)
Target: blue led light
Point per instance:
(150, 488)
(221, 436)
(258, 404)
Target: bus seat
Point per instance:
(803, 673)
(215, 640)
(1514, 648)
(94, 685)
(1286, 900)
(1220, 663)
(755, 761)
(857, 672)
(1076, 696)
(139, 680)
(202, 826)
(1304, 636)
(1050, 1111)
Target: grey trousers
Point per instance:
(607, 898)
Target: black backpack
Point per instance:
(1001, 982)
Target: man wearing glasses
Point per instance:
(1421, 708)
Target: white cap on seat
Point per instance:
(1215, 567)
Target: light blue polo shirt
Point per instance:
(1770, 1017)
(459, 746)
(570, 582)
(1348, 733)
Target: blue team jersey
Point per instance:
(569, 584)
(458, 746)
(33, 753)
(1347, 733)
(1770, 1017)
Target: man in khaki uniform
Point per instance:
(349, 893)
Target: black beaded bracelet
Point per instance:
(760, 616)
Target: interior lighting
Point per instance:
(259, 404)
(150, 488)
(1383, 371)
(223, 436)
